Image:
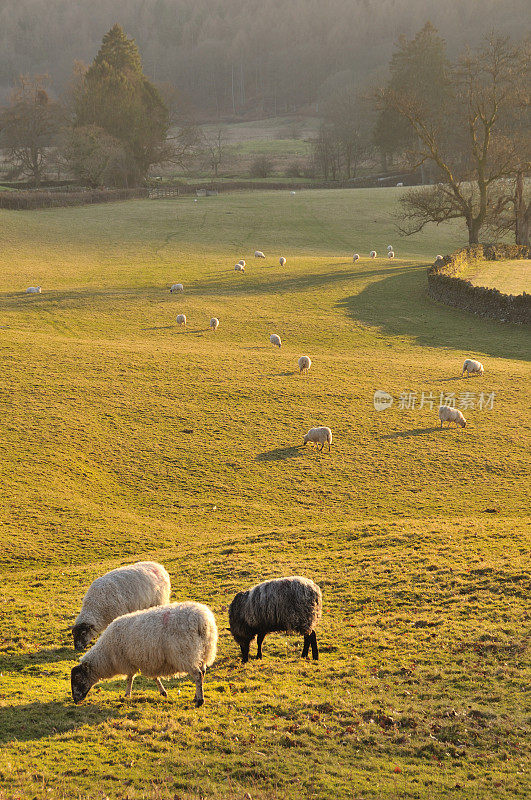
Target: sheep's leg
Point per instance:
(259, 639)
(198, 678)
(162, 690)
(321, 448)
(329, 446)
(129, 687)
(315, 649)
(306, 647)
(245, 651)
(441, 423)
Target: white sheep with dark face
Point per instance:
(175, 639)
(450, 414)
(120, 591)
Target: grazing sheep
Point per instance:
(320, 435)
(390, 254)
(242, 262)
(33, 290)
(293, 193)
(282, 261)
(400, 183)
(439, 258)
(180, 319)
(373, 254)
(305, 363)
(258, 254)
(239, 267)
(356, 257)
(284, 604)
(170, 640)
(449, 414)
(472, 367)
(275, 340)
(177, 287)
(128, 588)
(389, 247)
(214, 323)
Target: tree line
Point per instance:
(463, 123)
(230, 57)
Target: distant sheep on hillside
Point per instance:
(181, 319)
(177, 287)
(472, 367)
(258, 254)
(305, 363)
(33, 290)
(275, 340)
(356, 257)
(282, 261)
(239, 267)
(120, 591)
(449, 414)
(373, 254)
(320, 435)
(214, 323)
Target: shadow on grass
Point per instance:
(399, 305)
(41, 720)
(280, 454)
(19, 661)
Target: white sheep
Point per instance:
(438, 258)
(239, 267)
(390, 254)
(356, 257)
(176, 639)
(293, 193)
(320, 435)
(33, 290)
(177, 287)
(449, 414)
(305, 363)
(180, 319)
(373, 253)
(258, 254)
(389, 247)
(125, 589)
(472, 367)
(282, 261)
(214, 323)
(275, 340)
(242, 262)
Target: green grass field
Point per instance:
(512, 276)
(125, 437)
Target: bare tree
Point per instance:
(215, 147)
(29, 125)
(477, 142)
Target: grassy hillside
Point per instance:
(125, 437)
(512, 275)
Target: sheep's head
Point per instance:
(462, 422)
(81, 681)
(238, 627)
(83, 633)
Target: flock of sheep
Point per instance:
(141, 631)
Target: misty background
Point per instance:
(241, 57)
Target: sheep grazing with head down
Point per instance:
(177, 287)
(282, 261)
(305, 363)
(320, 435)
(292, 605)
(242, 262)
(356, 257)
(258, 254)
(33, 290)
(176, 639)
(390, 254)
(275, 340)
(214, 323)
(389, 247)
(472, 367)
(239, 267)
(450, 414)
(373, 253)
(120, 591)
(180, 319)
